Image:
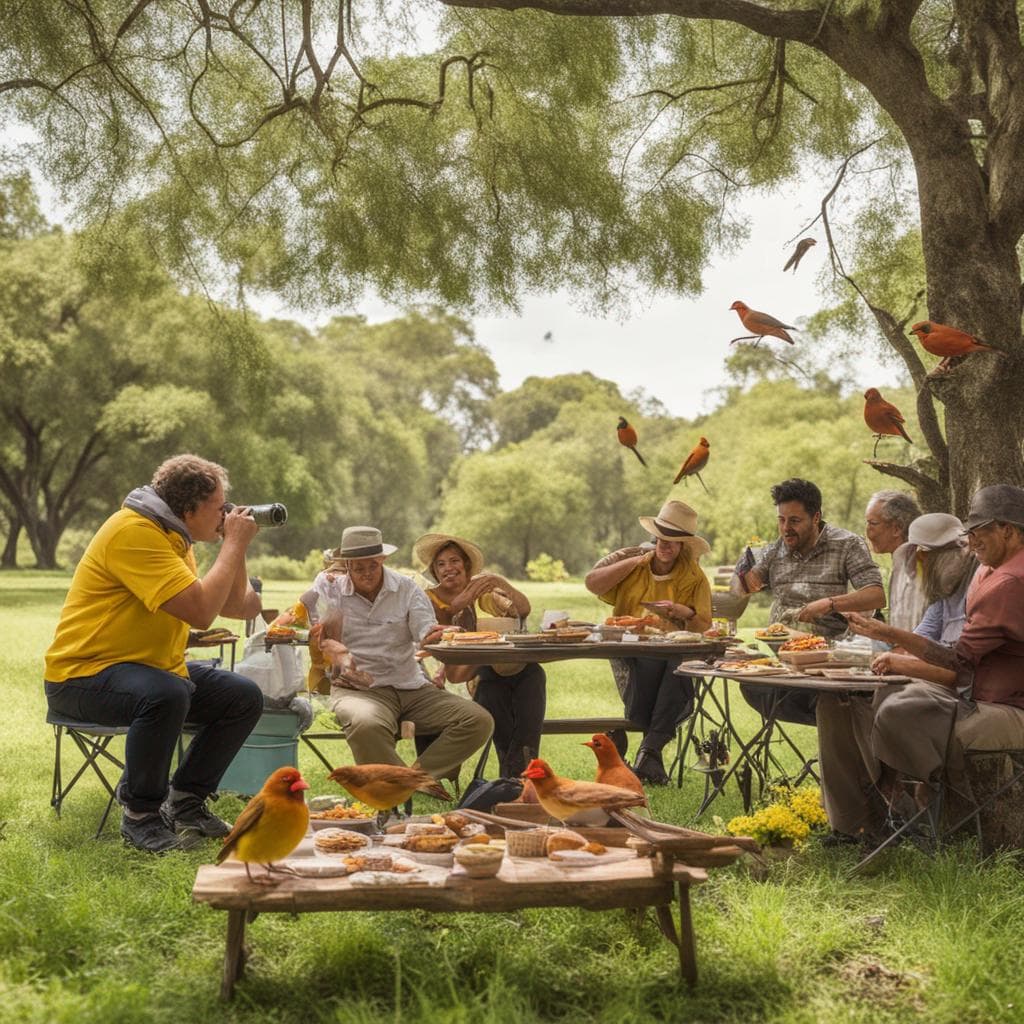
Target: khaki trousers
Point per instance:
(907, 728)
(372, 721)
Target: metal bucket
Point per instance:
(271, 745)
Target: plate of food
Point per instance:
(776, 631)
(357, 819)
(478, 638)
(753, 667)
(527, 639)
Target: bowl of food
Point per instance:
(479, 860)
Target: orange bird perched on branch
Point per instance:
(384, 786)
(271, 824)
(883, 417)
(562, 798)
(798, 253)
(948, 342)
(761, 325)
(695, 462)
(611, 769)
(627, 438)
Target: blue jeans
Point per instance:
(155, 705)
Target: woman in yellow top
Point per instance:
(515, 695)
(668, 581)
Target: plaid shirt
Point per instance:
(839, 560)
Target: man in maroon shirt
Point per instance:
(979, 682)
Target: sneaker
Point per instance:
(191, 812)
(149, 833)
(620, 739)
(648, 767)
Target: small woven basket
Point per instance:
(527, 842)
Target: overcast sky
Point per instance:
(672, 347)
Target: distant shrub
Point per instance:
(281, 567)
(545, 569)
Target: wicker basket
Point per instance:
(726, 605)
(531, 842)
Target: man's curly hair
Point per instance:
(185, 481)
(796, 489)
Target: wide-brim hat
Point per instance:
(935, 530)
(361, 542)
(425, 550)
(1002, 503)
(677, 522)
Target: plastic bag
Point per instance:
(279, 672)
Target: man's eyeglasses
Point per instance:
(981, 526)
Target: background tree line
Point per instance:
(106, 367)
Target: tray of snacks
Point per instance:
(357, 818)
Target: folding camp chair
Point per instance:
(93, 741)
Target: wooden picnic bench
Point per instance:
(624, 881)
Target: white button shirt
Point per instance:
(383, 635)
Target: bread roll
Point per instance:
(565, 839)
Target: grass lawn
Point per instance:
(93, 932)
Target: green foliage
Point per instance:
(545, 569)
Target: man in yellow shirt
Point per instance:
(668, 581)
(118, 656)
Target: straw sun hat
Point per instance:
(425, 550)
(677, 522)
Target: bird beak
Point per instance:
(588, 743)
(298, 785)
(910, 334)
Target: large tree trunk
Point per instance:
(9, 558)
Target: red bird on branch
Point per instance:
(948, 342)
(798, 253)
(760, 324)
(883, 418)
(627, 438)
(695, 462)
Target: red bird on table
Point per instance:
(760, 324)
(271, 824)
(695, 462)
(611, 769)
(562, 798)
(883, 417)
(628, 438)
(948, 342)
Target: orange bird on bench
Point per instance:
(611, 769)
(271, 824)
(562, 798)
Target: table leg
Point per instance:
(687, 943)
(234, 953)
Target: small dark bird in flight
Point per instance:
(798, 253)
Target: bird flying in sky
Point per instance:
(695, 462)
(948, 342)
(883, 418)
(798, 253)
(761, 324)
(627, 438)
(271, 824)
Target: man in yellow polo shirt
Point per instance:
(665, 580)
(118, 656)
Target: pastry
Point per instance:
(336, 840)
(564, 839)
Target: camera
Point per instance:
(274, 514)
